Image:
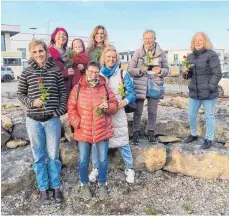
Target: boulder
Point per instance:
(68, 154)
(66, 127)
(5, 136)
(146, 157)
(190, 160)
(168, 139)
(222, 128)
(16, 143)
(17, 173)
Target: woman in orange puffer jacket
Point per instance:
(90, 104)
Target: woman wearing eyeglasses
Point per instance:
(141, 73)
(90, 106)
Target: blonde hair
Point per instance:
(207, 43)
(35, 43)
(108, 49)
(92, 42)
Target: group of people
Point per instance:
(89, 92)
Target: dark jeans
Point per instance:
(152, 114)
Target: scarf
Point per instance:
(56, 54)
(92, 82)
(107, 72)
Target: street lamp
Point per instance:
(33, 28)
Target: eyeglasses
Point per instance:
(95, 72)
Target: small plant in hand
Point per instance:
(44, 92)
(121, 90)
(69, 59)
(186, 63)
(98, 110)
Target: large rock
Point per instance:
(66, 127)
(17, 171)
(5, 136)
(19, 129)
(168, 139)
(146, 157)
(189, 159)
(68, 154)
(222, 128)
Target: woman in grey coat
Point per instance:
(204, 70)
(141, 74)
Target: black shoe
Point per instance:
(44, 197)
(58, 196)
(190, 138)
(136, 136)
(151, 136)
(207, 144)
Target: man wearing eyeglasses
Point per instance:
(148, 62)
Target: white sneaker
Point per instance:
(129, 175)
(93, 175)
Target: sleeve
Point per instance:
(215, 68)
(132, 67)
(112, 103)
(131, 95)
(73, 114)
(164, 66)
(62, 95)
(22, 91)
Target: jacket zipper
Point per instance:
(93, 116)
(196, 78)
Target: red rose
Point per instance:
(184, 57)
(40, 79)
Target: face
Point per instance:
(148, 40)
(77, 47)
(199, 42)
(39, 54)
(110, 58)
(92, 72)
(61, 37)
(99, 36)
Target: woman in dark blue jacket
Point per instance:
(205, 73)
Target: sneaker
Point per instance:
(85, 190)
(58, 196)
(190, 138)
(93, 175)
(136, 136)
(44, 197)
(129, 175)
(151, 136)
(207, 144)
(102, 191)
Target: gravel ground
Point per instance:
(153, 193)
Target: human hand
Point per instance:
(122, 104)
(184, 69)
(71, 71)
(144, 69)
(103, 105)
(55, 114)
(80, 66)
(38, 103)
(156, 70)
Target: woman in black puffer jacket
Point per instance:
(205, 74)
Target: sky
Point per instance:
(174, 22)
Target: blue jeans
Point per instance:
(209, 117)
(125, 152)
(45, 140)
(84, 156)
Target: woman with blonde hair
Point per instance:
(42, 116)
(97, 42)
(204, 70)
(115, 76)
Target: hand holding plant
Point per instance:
(44, 92)
(186, 64)
(121, 90)
(103, 107)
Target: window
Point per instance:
(225, 75)
(2, 69)
(122, 57)
(175, 57)
(3, 47)
(23, 51)
(127, 57)
(12, 62)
